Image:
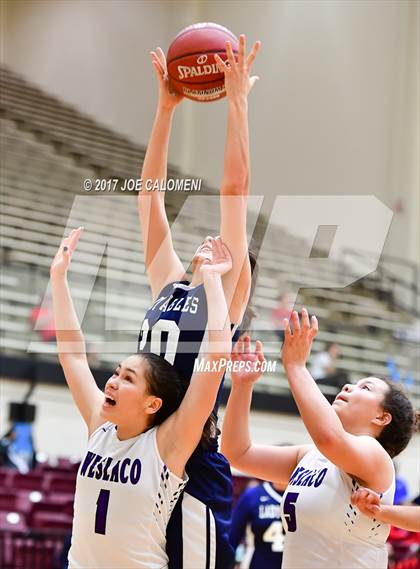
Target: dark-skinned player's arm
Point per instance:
(266, 462)
(234, 188)
(162, 263)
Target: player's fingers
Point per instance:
(247, 345)
(235, 348)
(242, 49)
(314, 327)
(226, 252)
(295, 321)
(373, 499)
(259, 350)
(162, 58)
(157, 63)
(75, 239)
(240, 345)
(286, 327)
(220, 63)
(216, 245)
(229, 53)
(252, 55)
(305, 320)
(252, 81)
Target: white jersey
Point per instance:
(322, 527)
(124, 498)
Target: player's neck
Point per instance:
(125, 432)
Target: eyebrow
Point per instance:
(365, 381)
(119, 366)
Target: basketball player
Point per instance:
(355, 439)
(259, 508)
(142, 430)
(369, 503)
(176, 325)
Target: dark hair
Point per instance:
(250, 313)
(164, 381)
(396, 435)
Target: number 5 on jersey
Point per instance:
(289, 510)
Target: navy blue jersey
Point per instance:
(175, 327)
(259, 507)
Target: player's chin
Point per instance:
(336, 406)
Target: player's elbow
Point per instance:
(233, 455)
(328, 441)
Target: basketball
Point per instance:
(192, 69)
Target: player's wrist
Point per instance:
(58, 277)
(165, 110)
(238, 102)
(239, 385)
(294, 366)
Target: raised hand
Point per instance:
(297, 344)
(221, 262)
(168, 99)
(61, 261)
(238, 81)
(247, 365)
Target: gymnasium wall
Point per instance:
(335, 112)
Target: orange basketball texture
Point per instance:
(192, 69)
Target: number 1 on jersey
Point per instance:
(101, 511)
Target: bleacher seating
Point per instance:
(36, 512)
(48, 149)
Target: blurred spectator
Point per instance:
(17, 448)
(283, 310)
(323, 367)
(401, 487)
(259, 508)
(42, 316)
(5, 442)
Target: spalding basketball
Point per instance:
(192, 69)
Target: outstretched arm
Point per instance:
(162, 263)
(261, 461)
(179, 435)
(235, 183)
(357, 455)
(70, 342)
(369, 503)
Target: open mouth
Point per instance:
(109, 401)
(340, 398)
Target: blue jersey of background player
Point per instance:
(259, 508)
(175, 326)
